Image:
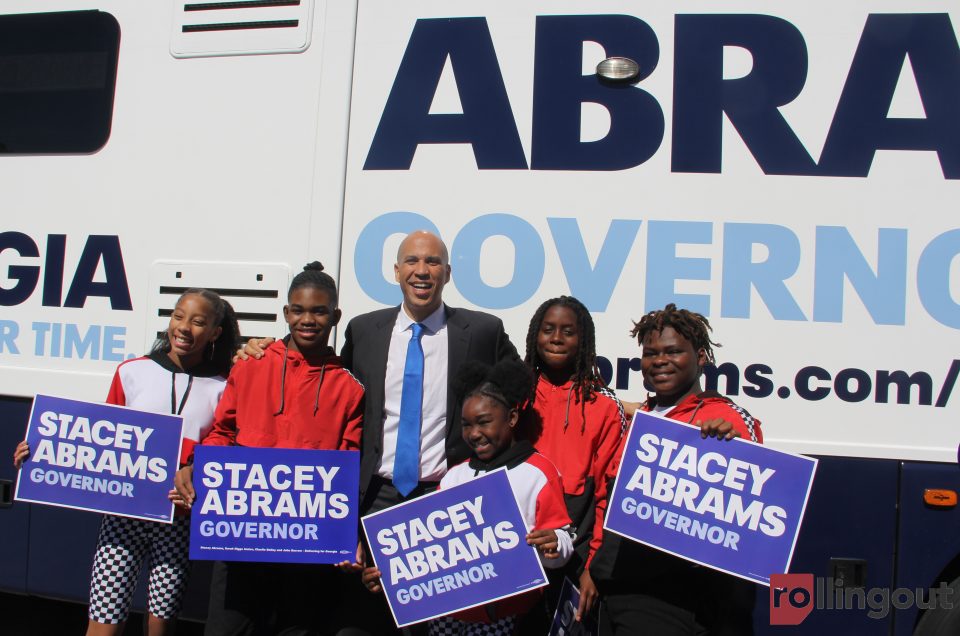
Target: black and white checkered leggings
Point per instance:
(446, 626)
(121, 549)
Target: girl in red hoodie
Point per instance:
(298, 395)
(576, 421)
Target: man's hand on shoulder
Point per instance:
(254, 348)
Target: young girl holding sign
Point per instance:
(493, 398)
(646, 590)
(297, 396)
(576, 421)
(184, 374)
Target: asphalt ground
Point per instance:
(34, 616)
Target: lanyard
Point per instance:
(173, 394)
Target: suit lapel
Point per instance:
(381, 348)
(458, 346)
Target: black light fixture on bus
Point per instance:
(618, 69)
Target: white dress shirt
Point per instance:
(433, 414)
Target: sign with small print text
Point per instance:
(274, 504)
(453, 549)
(100, 458)
(734, 506)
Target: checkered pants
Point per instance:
(446, 626)
(121, 549)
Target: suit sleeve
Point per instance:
(505, 348)
(346, 352)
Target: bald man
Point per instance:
(376, 348)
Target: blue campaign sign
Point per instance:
(734, 506)
(564, 618)
(101, 458)
(453, 549)
(274, 504)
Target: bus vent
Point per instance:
(242, 27)
(257, 292)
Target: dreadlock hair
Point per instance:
(314, 276)
(222, 349)
(586, 375)
(507, 382)
(689, 324)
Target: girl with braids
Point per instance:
(184, 374)
(297, 396)
(576, 421)
(646, 590)
(493, 398)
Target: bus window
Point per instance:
(57, 77)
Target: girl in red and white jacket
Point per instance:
(492, 400)
(644, 589)
(184, 374)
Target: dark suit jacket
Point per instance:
(471, 335)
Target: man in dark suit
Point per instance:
(377, 348)
(374, 349)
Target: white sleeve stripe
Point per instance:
(747, 419)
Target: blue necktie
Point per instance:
(406, 465)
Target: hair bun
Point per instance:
(315, 266)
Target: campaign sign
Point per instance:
(101, 458)
(453, 549)
(274, 504)
(733, 506)
(564, 619)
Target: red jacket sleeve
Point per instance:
(609, 442)
(551, 511)
(354, 427)
(603, 495)
(116, 395)
(224, 431)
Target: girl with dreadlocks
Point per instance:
(297, 396)
(646, 590)
(576, 421)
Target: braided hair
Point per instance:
(314, 276)
(689, 324)
(508, 382)
(586, 376)
(222, 349)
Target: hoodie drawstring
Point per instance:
(283, 382)
(694, 414)
(316, 400)
(283, 376)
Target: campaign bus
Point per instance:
(789, 170)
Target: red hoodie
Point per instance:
(300, 404)
(696, 407)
